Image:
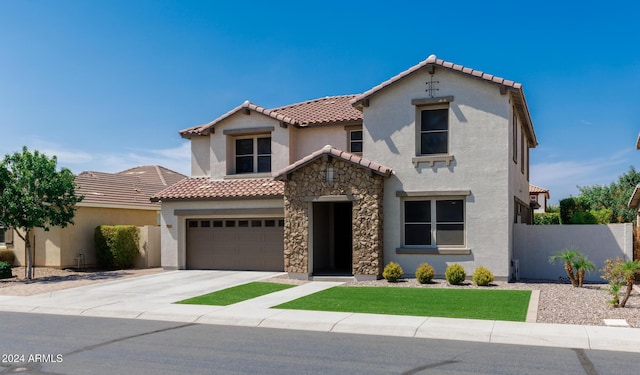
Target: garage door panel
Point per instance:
(236, 244)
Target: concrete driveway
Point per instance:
(131, 297)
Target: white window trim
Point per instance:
(434, 248)
(255, 154)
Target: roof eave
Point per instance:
(634, 201)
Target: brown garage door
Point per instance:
(235, 244)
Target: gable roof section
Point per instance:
(537, 189)
(130, 188)
(516, 88)
(154, 175)
(322, 111)
(200, 188)
(337, 153)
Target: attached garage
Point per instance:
(235, 244)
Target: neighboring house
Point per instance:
(538, 198)
(109, 198)
(429, 166)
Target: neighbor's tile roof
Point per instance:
(132, 187)
(337, 153)
(538, 189)
(205, 188)
(328, 110)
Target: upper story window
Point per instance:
(253, 154)
(434, 131)
(355, 141)
(2, 237)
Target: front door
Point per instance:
(332, 238)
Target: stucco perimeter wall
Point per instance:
(479, 140)
(350, 181)
(59, 247)
(534, 244)
(173, 227)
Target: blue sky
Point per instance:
(107, 85)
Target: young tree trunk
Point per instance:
(627, 293)
(581, 274)
(27, 246)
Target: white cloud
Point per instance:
(176, 158)
(563, 177)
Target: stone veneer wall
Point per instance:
(351, 180)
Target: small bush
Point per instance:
(117, 246)
(425, 273)
(392, 272)
(455, 274)
(7, 256)
(546, 218)
(5, 270)
(482, 276)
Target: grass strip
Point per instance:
(509, 305)
(236, 294)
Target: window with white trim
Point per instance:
(355, 141)
(253, 154)
(434, 223)
(434, 131)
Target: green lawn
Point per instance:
(236, 294)
(508, 305)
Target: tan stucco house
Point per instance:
(109, 199)
(431, 165)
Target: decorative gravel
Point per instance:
(559, 303)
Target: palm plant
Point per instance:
(568, 256)
(620, 273)
(582, 265)
(628, 272)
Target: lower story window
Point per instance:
(434, 222)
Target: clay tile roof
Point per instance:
(205, 188)
(335, 152)
(331, 109)
(132, 187)
(537, 189)
(328, 110)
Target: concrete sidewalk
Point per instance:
(152, 297)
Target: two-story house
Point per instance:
(431, 165)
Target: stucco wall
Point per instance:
(59, 247)
(200, 156)
(222, 146)
(309, 140)
(173, 227)
(534, 244)
(479, 142)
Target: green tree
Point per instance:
(614, 196)
(34, 194)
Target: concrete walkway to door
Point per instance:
(152, 297)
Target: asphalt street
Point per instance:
(56, 344)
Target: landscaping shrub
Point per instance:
(546, 218)
(455, 274)
(392, 272)
(425, 273)
(117, 246)
(5, 270)
(7, 256)
(482, 276)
